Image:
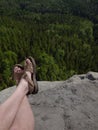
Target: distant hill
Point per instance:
(84, 8)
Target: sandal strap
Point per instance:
(28, 68)
(32, 69)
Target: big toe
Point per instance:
(28, 61)
(17, 69)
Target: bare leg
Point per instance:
(24, 119)
(15, 112)
(9, 108)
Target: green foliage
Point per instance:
(48, 69)
(61, 35)
(20, 8)
(8, 60)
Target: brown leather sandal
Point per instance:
(18, 76)
(33, 85)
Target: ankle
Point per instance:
(23, 86)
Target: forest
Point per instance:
(62, 36)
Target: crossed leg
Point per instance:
(24, 119)
(9, 109)
(15, 112)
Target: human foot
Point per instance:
(18, 71)
(28, 72)
(22, 78)
(30, 66)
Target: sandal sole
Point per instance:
(33, 76)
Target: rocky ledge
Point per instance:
(65, 105)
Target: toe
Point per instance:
(17, 69)
(28, 61)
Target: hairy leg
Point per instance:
(10, 107)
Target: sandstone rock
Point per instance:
(64, 105)
(92, 75)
